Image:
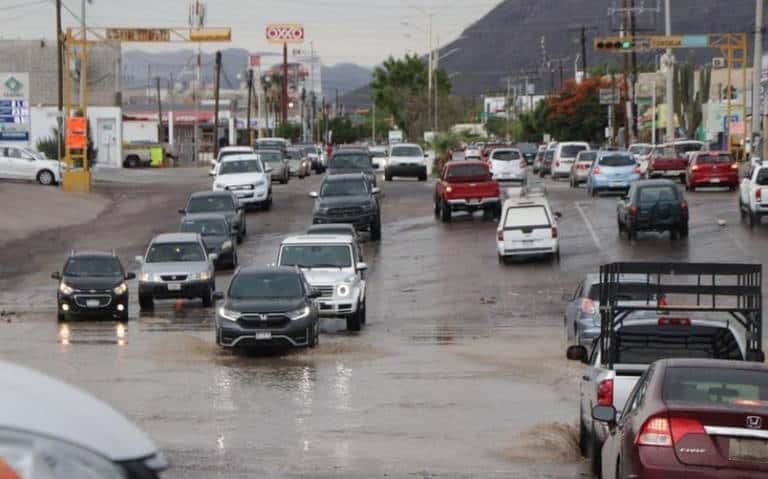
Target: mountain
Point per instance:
(345, 77)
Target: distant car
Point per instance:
(51, 429)
(272, 144)
(92, 284)
(247, 178)
(712, 168)
(21, 163)
(667, 161)
(529, 151)
(580, 168)
(315, 156)
(653, 205)
(223, 202)
(545, 167)
(276, 160)
(352, 159)
(334, 229)
(379, 156)
(348, 199)
(527, 227)
(753, 194)
(466, 186)
(217, 234)
(539, 159)
(176, 266)
(298, 163)
(612, 171)
(230, 151)
(268, 306)
(473, 153)
(641, 152)
(565, 156)
(692, 418)
(508, 164)
(406, 160)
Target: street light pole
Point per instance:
(670, 64)
(756, 74)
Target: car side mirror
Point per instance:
(213, 256)
(130, 276)
(139, 259)
(314, 294)
(375, 191)
(426, 155)
(577, 353)
(375, 165)
(211, 173)
(182, 211)
(218, 296)
(268, 169)
(362, 267)
(606, 414)
(558, 215)
(313, 194)
(240, 208)
(56, 275)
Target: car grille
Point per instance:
(325, 291)
(239, 187)
(174, 277)
(263, 321)
(103, 299)
(350, 211)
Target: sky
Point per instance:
(357, 31)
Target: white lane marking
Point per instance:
(591, 230)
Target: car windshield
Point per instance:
(644, 344)
(588, 156)
(316, 256)
(735, 387)
(207, 204)
(656, 194)
(467, 173)
(762, 177)
(667, 152)
(506, 155)
(271, 156)
(310, 150)
(94, 266)
(570, 151)
(617, 161)
(354, 161)
(356, 187)
(714, 159)
(185, 252)
(549, 155)
(266, 286)
(205, 227)
(233, 167)
(683, 148)
(406, 151)
(270, 144)
(330, 230)
(594, 293)
(226, 153)
(526, 217)
(640, 149)
(378, 154)
(294, 154)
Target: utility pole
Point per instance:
(60, 78)
(431, 65)
(373, 123)
(217, 84)
(584, 51)
(160, 135)
(336, 105)
(250, 100)
(561, 73)
(508, 105)
(670, 70)
(285, 84)
(625, 79)
(633, 78)
(436, 87)
(756, 145)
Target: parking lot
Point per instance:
(460, 372)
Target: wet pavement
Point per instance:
(460, 371)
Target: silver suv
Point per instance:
(332, 265)
(176, 265)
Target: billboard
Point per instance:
(285, 33)
(14, 106)
(254, 60)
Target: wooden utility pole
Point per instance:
(60, 78)
(624, 96)
(584, 51)
(633, 78)
(216, 86)
(160, 133)
(250, 100)
(285, 84)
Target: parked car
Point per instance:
(348, 199)
(581, 167)
(753, 194)
(352, 160)
(667, 161)
(406, 160)
(218, 237)
(527, 227)
(21, 163)
(565, 156)
(268, 306)
(92, 284)
(692, 418)
(508, 164)
(653, 205)
(51, 429)
(228, 151)
(176, 266)
(222, 202)
(276, 160)
(247, 178)
(332, 267)
(612, 171)
(711, 168)
(466, 186)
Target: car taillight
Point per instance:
(655, 432)
(500, 235)
(667, 321)
(557, 163)
(605, 392)
(734, 166)
(523, 164)
(448, 190)
(694, 167)
(682, 426)
(588, 306)
(554, 233)
(633, 210)
(759, 194)
(683, 205)
(637, 170)
(596, 170)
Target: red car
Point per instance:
(466, 186)
(692, 419)
(667, 161)
(712, 168)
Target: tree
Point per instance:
(496, 126)
(689, 102)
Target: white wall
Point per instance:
(140, 131)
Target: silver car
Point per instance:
(580, 168)
(176, 265)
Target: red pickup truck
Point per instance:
(466, 186)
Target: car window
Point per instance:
(589, 156)
(640, 150)
(406, 151)
(656, 194)
(94, 266)
(579, 291)
(570, 151)
(207, 204)
(526, 217)
(617, 160)
(344, 188)
(467, 172)
(379, 154)
(594, 293)
(645, 344)
(506, 155)
(637, 395)
(233, 167)
(175, 253)
(13, 153)
(686, 147)
(667, 152)
(714, 159)
(353, 161)
(716, 385)
(266, 286)
(762, 177)
(316, 256)
(271, 156)
(550, 154)
(205, 227)
(225, 154)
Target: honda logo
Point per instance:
(754, 422)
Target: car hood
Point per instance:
(36, 403)
(178, 267)
(326, 275)
(92, 282)
(240, 179)
(342, 201)
(273, 305)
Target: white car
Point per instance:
(379, 156)
(508, 164)
(332, 266)
(20, 163)
(247, 178)
(473, 153)
(565, 156)
(753, 194)
(527, 227)
(230, 151)
(641, 152)
(406, 159)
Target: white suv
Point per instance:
(246, 177)
(528, 227)
(406, 159)
(333, 267)
(565, 156)
(20, 163)
(508, 164)
(753, 194)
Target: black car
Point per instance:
(653, 205)
(218, 236)
(92, 284)
(352, 160)
(271, 306)
(221, 202)
(350, 199)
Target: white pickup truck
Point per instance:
(753, 194)
(719, 322)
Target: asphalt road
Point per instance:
(460, 371)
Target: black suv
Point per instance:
(93, 284)
(348, 199)
(653, 205)
(222, 202)
(270, 306)
(352, 160)
(218, 236)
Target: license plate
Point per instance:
(92, 303)
(618, 184)
(263, 336)
(527, 242)
(715, 180)
(474, 202)
(174, 287)
(748, 450)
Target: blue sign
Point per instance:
(695, 41)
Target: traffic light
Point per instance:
(614, 44)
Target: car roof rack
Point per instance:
(734, 289)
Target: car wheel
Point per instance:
(146, 303)
(268, 204)
(376, 230)
(592, 192)
(423, 176)
(682, 179)
(742, 213)
(353, 322)
(235, 260)
(364, 312)
(621, 227)
(208, 299)
(753, 219)
(445, 212)
(684, 231)
(631, 235)
(314, 337)
(45, 178)
(501, 260)
(123, 317)
(674, 234)
(583, 449)
(595, 462)
(437, 209)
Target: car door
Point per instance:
(572, 308)
(588, 388)
(17, 165)
(746, 186)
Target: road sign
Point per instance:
(14, 106)
(285, 33)
(139, 34)
(254, 60)
(77, 133)
(609, 96)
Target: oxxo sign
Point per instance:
(285, 33)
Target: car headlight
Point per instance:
(259, 183)
(228, 314)
(121, 288)
(343, 290)
(204, 276)
(65, 288)
(146, 277)
(226, 245)
(299, 313)
(29, 455)
(322, 210)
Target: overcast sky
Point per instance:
(358, 31)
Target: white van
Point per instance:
(565, 156)
(507, 164)
(527, 227)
